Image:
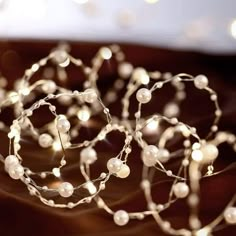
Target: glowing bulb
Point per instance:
(233, 28)
(105, 53)
(56, 172)
(84, 114)
(91, 187)
(56, 146)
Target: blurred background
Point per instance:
(208, 26)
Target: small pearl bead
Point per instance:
(63, 125)
(149, 155)
(230, 215)
(121, 217)
(200, 81)
(90, 95)
(49, 87)
(124, 171)
(125, 69)
(45, 140)
(66, 189)
(114, 165)
(181, 190)
(163, 155)
(16, 171)
(88, 155)
(11, 160)
(143, 95)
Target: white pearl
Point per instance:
(163, 155)
(16, 171)
(181, 190)
(10, 160)
(124, 171)
(114, 165)
(121, 217)
(66, 189)
(230, 215)
(149, 155)
(45, 140)
(49, 87)
(63, 125)
(125, 69)
(88, 155)
(210, 152)
(90, 95)
(200, 81)
(143, 95)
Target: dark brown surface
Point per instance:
(21, 214)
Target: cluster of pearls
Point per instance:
(59, 134)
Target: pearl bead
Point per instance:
(125, 69)
(66, 189)
(121, 217)
(143, 95)
(230, 215)
(45, 140)
(181, 190)
(49, 87)
(210, 152)
(124, 171)
(163, 155)
(90, 95)
(200, 81)
(149, 155)
(114, 165)
(88, 155)
(16, 171)
(11, 160)
(63, 125)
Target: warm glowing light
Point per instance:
(91, 187)
(151, 1)
(84, 114)
(233, 28)
(56, 146)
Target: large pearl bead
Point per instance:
(10, 160)
(66, 189)
(181, 190)
(90, 95)
(88, 155)
(63, 125)
(163, 155)
(16, 171)
(114, 165)
(143, 95)
(45, 140)
(230, 215)
(149, 155)
(200, 81)
(49, 87)
(121, 217)
(124, 171)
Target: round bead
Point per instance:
(90, 95)
(45, 140)
(10, 160)
(181, 190)
(230, 215)
(163, 155)
(210, 152)
(63, 125)
(143, 95)
(149, 155)
(124, 171)
(49, 87)
(88, 155)
(200, 81)
(66, 189)
(114, 165)
(16, 171)
(121, 217)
